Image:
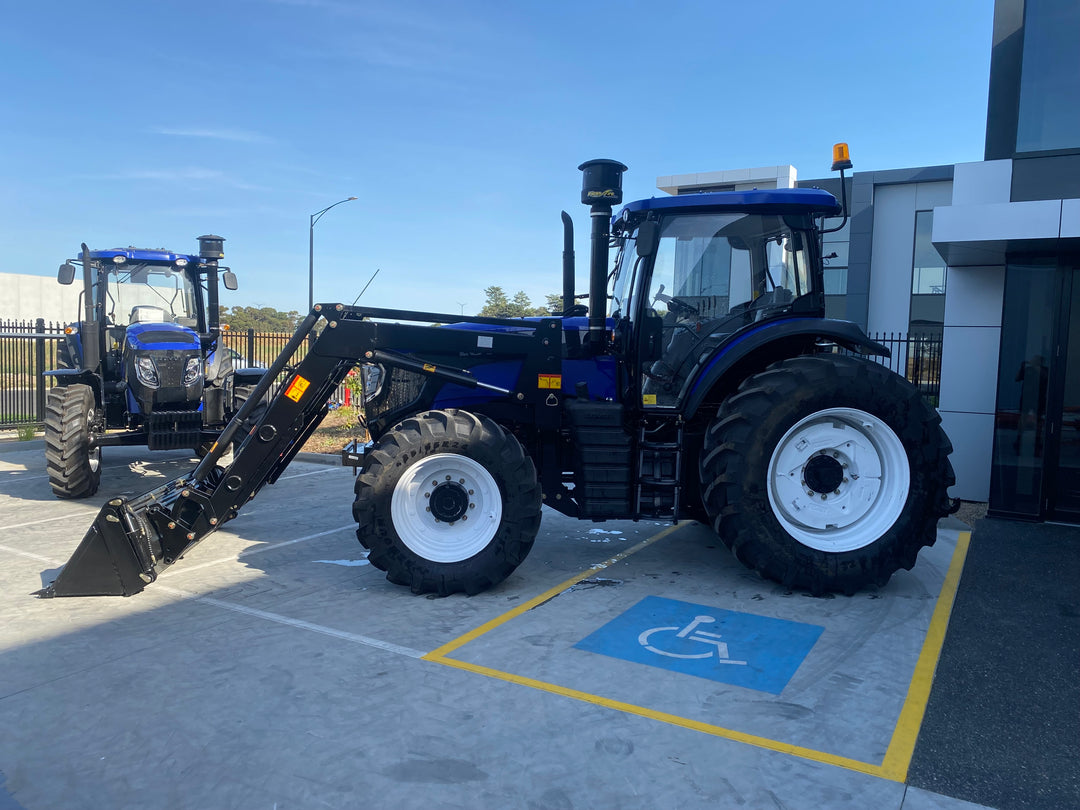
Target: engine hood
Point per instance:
(161, 336)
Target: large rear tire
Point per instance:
(74, 469)
(448, 502)
(826, 473)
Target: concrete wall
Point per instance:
(25, 297)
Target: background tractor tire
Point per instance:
(74, 469)
(826, 473)
(447, 502)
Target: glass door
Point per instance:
(1036, 457)
(1064, 483)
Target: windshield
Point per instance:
(143, 293)
(714, 274)
(723, 264)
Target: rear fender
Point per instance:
(776, 340)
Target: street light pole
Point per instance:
(311, 250)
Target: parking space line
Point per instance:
(299, 624)
(313, 472)
(439, 653)
(36, 522)
(277, 618)
(176, 571)
(901, 747)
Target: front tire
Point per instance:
(447, 502)
(826, 473)
(74, 469)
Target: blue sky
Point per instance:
(459, 126)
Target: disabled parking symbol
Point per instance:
(743, 649)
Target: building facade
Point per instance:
(985, 256)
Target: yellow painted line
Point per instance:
(902, 746)
(525, 607)
(664, 717)
(893, 767)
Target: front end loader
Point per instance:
(712, 389)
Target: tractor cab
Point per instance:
(693, 271)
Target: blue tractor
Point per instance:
(140, 366)
(712, 387)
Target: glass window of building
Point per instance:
(1049, 117)
(927, 280)
(835, 253)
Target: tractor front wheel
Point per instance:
(447, 502)
(826, 473)
(74, 468)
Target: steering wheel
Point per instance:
(678, 307)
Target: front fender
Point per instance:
(787, 337)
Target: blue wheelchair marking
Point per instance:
(738, 648)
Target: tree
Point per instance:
(497, 305)
(261, 319)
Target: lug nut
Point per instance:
(172, 524)
(213, 521)
(191, 536)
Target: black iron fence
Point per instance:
(27, 348)
(915, 356)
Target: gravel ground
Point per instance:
(970, 511)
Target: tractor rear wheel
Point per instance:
(826, 473)
(74, 468)
(448, 501)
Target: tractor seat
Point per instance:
(145, 314)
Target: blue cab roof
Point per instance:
(756, 201)
(134, 254)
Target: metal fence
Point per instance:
(27, 348)
(915, 356)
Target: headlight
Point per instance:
(192, 371)
(146, 371)
(371, 378)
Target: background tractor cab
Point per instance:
(141, 360)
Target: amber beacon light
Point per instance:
(841, 157)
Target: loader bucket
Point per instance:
(113, 559)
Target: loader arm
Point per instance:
(133, 540)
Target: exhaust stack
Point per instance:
(601, 188)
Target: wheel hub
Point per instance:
(449, 502)
(823, 473)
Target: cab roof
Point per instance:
(134, 254)
(757, 201)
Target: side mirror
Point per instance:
(66, 273)
(228, 278)
(648, 238)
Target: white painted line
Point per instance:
(36, 522)
(30, 555)
(174, 571)
(277, 618)
(300, 624)
(313, 472)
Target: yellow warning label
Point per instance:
(648, 399)
(429, 368)
(549, 381)
(297, 388)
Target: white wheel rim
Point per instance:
(448, 477)
(95, 454)
(859, 454)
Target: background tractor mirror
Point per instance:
(228, 278)
(648, 238)
(66, 273)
